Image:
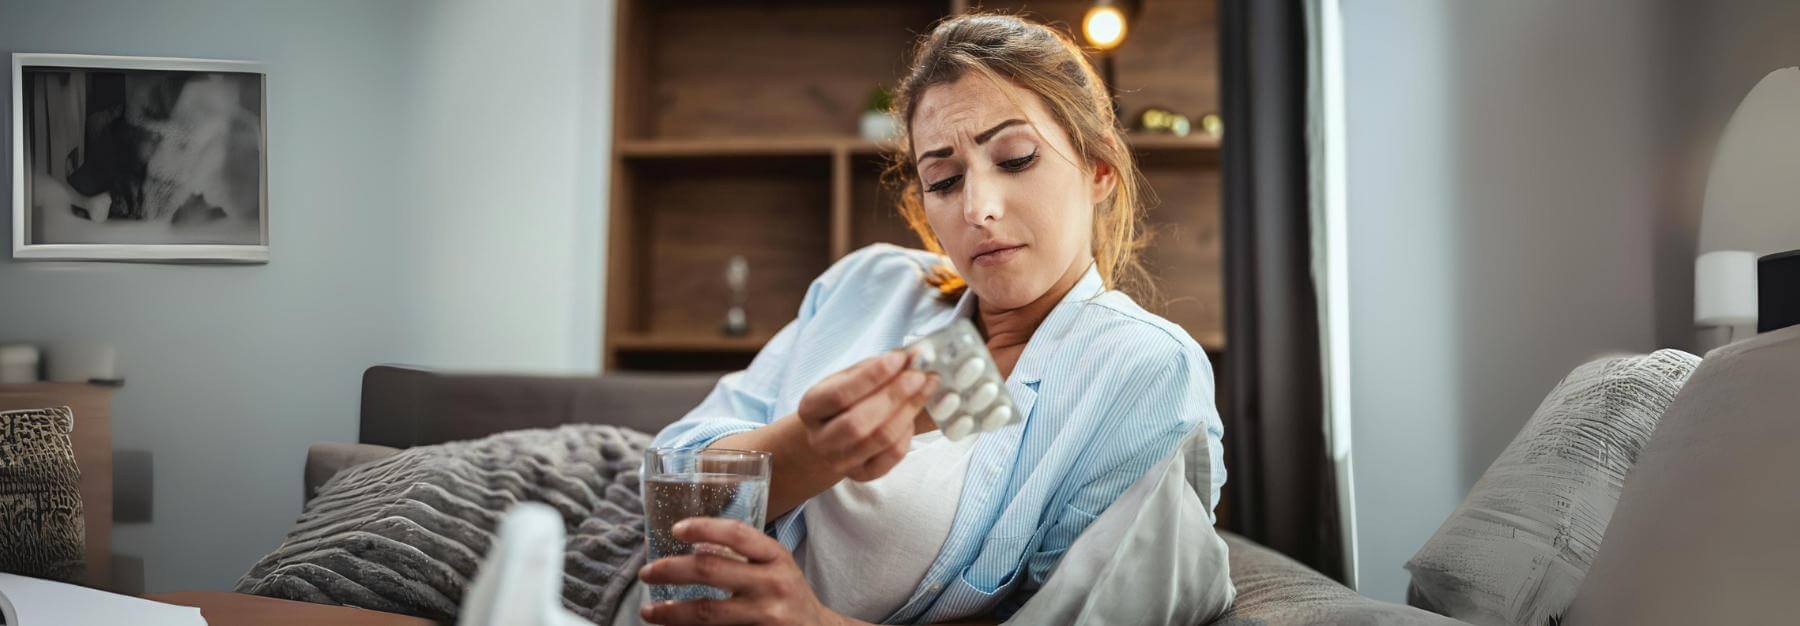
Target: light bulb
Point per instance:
(1104, 26)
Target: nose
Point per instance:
(983, 201)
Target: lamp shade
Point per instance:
(1725, 288)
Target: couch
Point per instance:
(1702, 532)
(404, 407)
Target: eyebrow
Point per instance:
(981, 138)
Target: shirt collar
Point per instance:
(1089, 286)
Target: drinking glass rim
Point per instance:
(666, 451)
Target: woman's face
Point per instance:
(1001, 192)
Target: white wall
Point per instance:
(1503, 228)
(436, 190)
(509, 124)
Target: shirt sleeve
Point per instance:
(1185, 401)
(741, 401)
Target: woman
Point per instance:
(1015, 173)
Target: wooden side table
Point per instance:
(223, 608)
(93, 455)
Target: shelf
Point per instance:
(689, 343)
(823, 146)
(1172, 143)
(739, 146)
(734, 133)
(860, 146)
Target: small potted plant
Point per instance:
(878, 122)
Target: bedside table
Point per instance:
(223, 608)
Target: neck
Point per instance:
(1009, 329)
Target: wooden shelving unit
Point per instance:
(734, 135)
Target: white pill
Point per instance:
(924, 355)
(945, 407)
(968, 341)
(983, 396)
(996, 418)
(960, 428)
(966, 374)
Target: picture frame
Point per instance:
(142, 159)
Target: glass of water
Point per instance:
(679, 483)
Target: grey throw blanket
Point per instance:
(405, 534)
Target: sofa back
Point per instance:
(404, 407)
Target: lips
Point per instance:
(995, 252)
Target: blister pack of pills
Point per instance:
(971, 395)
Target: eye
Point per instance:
(1019, 164)
(943, 185)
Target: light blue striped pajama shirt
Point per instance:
(1107, 390)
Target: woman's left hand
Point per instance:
(768, 589)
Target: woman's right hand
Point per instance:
(860, 420)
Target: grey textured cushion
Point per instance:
(405, 533)
(1704, 532)
(1517, 549)
(1274, 589)
(41, 529)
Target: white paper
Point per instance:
(38, 602)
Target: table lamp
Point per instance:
(1725, 289)
(1752, 206)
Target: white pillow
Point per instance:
(1150, 558)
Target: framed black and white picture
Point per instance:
(139, 159)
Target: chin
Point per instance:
(1002, 291)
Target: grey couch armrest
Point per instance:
(324, 460)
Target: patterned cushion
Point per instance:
(406, 533)
(41, 533)
(1517, 549)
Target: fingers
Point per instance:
(765, 590)
(880, 465)
(703, 612)
(888, 446)
(844, 435)
(842, 390)
(702, 569)
(734, 534)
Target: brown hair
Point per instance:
(1046, 62)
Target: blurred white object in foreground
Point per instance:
(520, 581)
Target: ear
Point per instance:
(1104, 180)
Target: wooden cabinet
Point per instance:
(734, 133)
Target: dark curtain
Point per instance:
(1280, 491)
